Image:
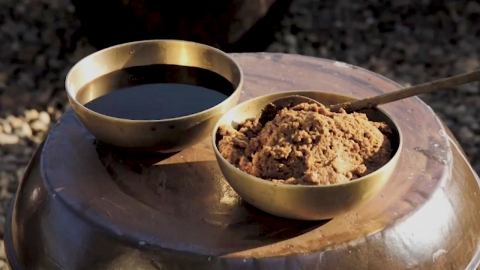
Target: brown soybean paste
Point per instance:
(307, 145)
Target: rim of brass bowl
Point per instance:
(142, 53)
(379, 178)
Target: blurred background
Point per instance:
(408, 41)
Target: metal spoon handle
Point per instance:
(409, 92)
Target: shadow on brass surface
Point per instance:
(171, 190)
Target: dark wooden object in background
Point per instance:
(232, 25)
(104, 210)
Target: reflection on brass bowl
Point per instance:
(300, 201)
(163, 135)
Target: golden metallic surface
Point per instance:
(168, 135)
(81, 208)
(297, 201)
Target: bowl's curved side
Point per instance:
(304, 203)
(163, 136)
(301, 202)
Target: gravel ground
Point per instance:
(408, 41)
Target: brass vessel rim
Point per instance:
(73, 98)
(391, 162)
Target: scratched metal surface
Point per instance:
(87, 207)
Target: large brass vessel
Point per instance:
(81, 206)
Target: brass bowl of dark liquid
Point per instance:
(155, 95)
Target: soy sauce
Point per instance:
(155, 92)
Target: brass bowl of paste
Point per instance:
(305, 202)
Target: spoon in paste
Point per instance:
(289, 101)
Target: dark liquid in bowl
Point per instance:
(155, 92)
